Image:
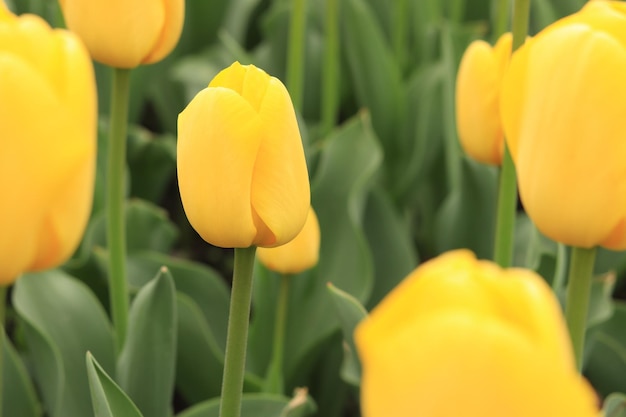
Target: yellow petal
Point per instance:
(298, 255)
(119, 33)
(218, 141)
(493, 341)
(477, 99)
(280, 183)
(171, 31)
(565, 99)
(47, 119)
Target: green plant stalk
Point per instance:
(507, 196)
(501, 18)
(237, 336)
(330, 88)
(275, 382)
(116, 222)
(295, 56)
(577, 300)
(560, 270)
(457, 10)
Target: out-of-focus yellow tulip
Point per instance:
(461, 337)
(478, 99)
(562, 104)
(47, 144)
(298, 255)
(241, 169)
(126, 33)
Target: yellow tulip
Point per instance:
(126, 33)
(298, 255)
(562, 104)
(47, 144)
(478, 99)
(241, 169)
(461, 337)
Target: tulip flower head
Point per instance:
(47, 144)
(562, 105)
(478, 99)
(299, 254)
(461, 337)
(241, 168)
(126, 33)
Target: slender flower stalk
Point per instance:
(330, 89)
(3, 293)
(500, 17)
(116, 227)
(507, 197)
(237, 337)
(275, 382)
(577, 302)
(295, 57)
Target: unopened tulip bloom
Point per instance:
(461, 337)
(298, 255)
(241, 169)
(478, 99)
(126, 33)
(562, 104)
(47, 144)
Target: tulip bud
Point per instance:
(241, 169)
(478, 98)
(461, 337)
(47, 144)
(562, 105)
(298, 255)
(126, 33)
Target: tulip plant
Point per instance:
(331, 208)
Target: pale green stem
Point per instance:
(330, 80)
(116, 222)
(237, 336)
(560, 270)
(295, 56)
(577, 301)
(507, 197)
(275, 378)
(501, 18)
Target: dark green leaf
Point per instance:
(18, 393)
(107, 397)
(146, 366)
(63, 320)
(350, 313)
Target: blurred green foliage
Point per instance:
(390, 184)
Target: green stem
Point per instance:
(507, 197)
(560, 269)
(501, 18)
(507, 205)
(295, 57)
(275, 380)
(237, 337)
(330, 88)
(577, 301)
(116, 227)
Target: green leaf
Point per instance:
(467, 217)
(62, 321)
(201, 283)
(605, 353)
(258, 405)
(615, 405)
(350, 313)
(107, 397)
(391, 242)
(146, 366)
(18, 393)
